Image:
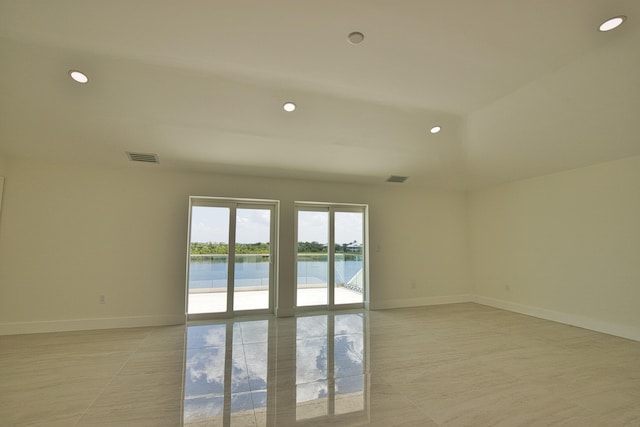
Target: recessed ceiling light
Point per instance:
(355, 37)
(435, 129)
(289, 106)
(613, 23)
(78, 76)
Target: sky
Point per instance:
(211, 224)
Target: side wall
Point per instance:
(3, 169)
(69, 234)
(3, 164)
(564, 247)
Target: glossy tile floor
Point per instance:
(453, 365)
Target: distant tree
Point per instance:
(311, 247)
(210, 248)
(252, 248)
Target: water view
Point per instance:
(210, 271)
(212, 290)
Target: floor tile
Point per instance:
(451, 365)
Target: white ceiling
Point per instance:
(521, 88)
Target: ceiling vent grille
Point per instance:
(395, 178)
(143, 157)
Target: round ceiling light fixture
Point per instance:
(289, 107)
(612, 23)
(435, 129)
(78, 76)
(355, 37)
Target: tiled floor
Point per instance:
(454, 365)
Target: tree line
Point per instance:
(315, 247)
(211, 248)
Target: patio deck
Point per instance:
(216, 302)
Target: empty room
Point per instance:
(307, 213)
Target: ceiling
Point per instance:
(521, 88)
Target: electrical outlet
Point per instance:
(507, 288)
(102, 299)
(413, 284)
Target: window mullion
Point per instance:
(331, 253)
(232, 259)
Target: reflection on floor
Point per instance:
(453, 365)
(276, 372)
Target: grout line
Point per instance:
(134, 350)
(244, 355)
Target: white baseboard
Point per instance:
(618, 330)
(15, 328)
(419, 302)
(610, 328)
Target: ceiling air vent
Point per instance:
(394, 178)
(143, 157)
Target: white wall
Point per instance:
(3, 164)
(564, 246)
(69, 234)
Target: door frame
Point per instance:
(234, 204)
(332, 208)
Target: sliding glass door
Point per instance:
(231, 250)
(312, 257)
(330, 257)
(208, 259)
(348, 260)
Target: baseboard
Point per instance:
(15, 328)
(610, 328)
(418, 302)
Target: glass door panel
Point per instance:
(312, 258)
(349, 257)
(231, 254)
(208, 259)
(252, 259)
(331, 274)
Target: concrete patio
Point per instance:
(215, 301)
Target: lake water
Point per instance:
(211, 272)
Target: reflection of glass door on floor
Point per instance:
(335, 385)
(310, 370)
(330, 274)
(230, 256)
(229, 374)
